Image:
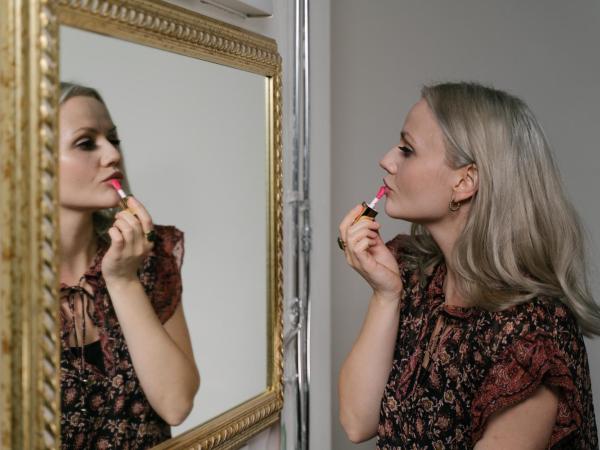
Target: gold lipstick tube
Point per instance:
(366, 212)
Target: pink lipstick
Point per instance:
(368, 210)
(117, 185)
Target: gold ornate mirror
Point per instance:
(198, 107)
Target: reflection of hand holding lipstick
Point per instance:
(368, 210)
(150, 235)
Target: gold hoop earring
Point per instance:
(454, 206)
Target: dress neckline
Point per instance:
(436, 291)
(95, 268)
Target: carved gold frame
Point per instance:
(29, 55)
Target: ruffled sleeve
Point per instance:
(541, 355)
(161, 275)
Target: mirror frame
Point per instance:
(29, 281)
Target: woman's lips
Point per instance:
(114, 176)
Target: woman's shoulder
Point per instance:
(544, 325)
(399, 244)
(541, 314)
(168, 233)
(169, 241)
(536, 343)
(403, 248)
(161, 274)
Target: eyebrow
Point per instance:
(111, 130)
(404, 135)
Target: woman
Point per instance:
(473, 336)
(127, 368)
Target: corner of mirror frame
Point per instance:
(29, 83)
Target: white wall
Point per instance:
(545, 51)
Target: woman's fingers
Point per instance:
(352, 231)
(128, 235)
(347, 221)
(129, 221)
(116, 238)
(142, 214)
(138, 218)
(361, 228)
(360, 237)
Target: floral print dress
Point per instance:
(103, 405)
(482, 361)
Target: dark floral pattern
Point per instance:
(105, 408)
(485, 361)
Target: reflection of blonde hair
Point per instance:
(104, 218)
(522, 238)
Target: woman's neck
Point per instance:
(446, 234)
(77, 244)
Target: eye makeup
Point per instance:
(406, 151)
(88, 136)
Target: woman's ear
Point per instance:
(468, 184)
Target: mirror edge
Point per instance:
(29, 51)
(30, 384)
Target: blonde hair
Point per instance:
(104, 218)
(522, 237)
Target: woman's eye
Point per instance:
(86, 144)
(115, 142)
(406, 151)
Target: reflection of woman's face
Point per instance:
(419, 177)
(89, 155)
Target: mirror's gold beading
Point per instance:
(177, 29)
(30, 357)
(30, 391)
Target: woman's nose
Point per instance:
(111, 153)
(387, 163)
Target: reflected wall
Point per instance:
(194, 142)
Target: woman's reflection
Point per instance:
(128, 371)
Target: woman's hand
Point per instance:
(367, 254)
(129, 245)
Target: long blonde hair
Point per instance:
(522, 237)
(102, 219)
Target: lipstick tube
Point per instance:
(122, 195)
(367, 211)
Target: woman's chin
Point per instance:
(105, 205)
(393, 211)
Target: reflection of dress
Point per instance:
(480, 363)
(103, 405)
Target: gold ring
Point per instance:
(341, 244)
(151, 236)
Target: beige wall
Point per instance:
(545, 51)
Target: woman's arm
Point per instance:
(364, 373)
(161, 355)
(524, 426)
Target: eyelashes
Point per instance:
(88, 144)
(406, 151)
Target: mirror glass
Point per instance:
(194, 142)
